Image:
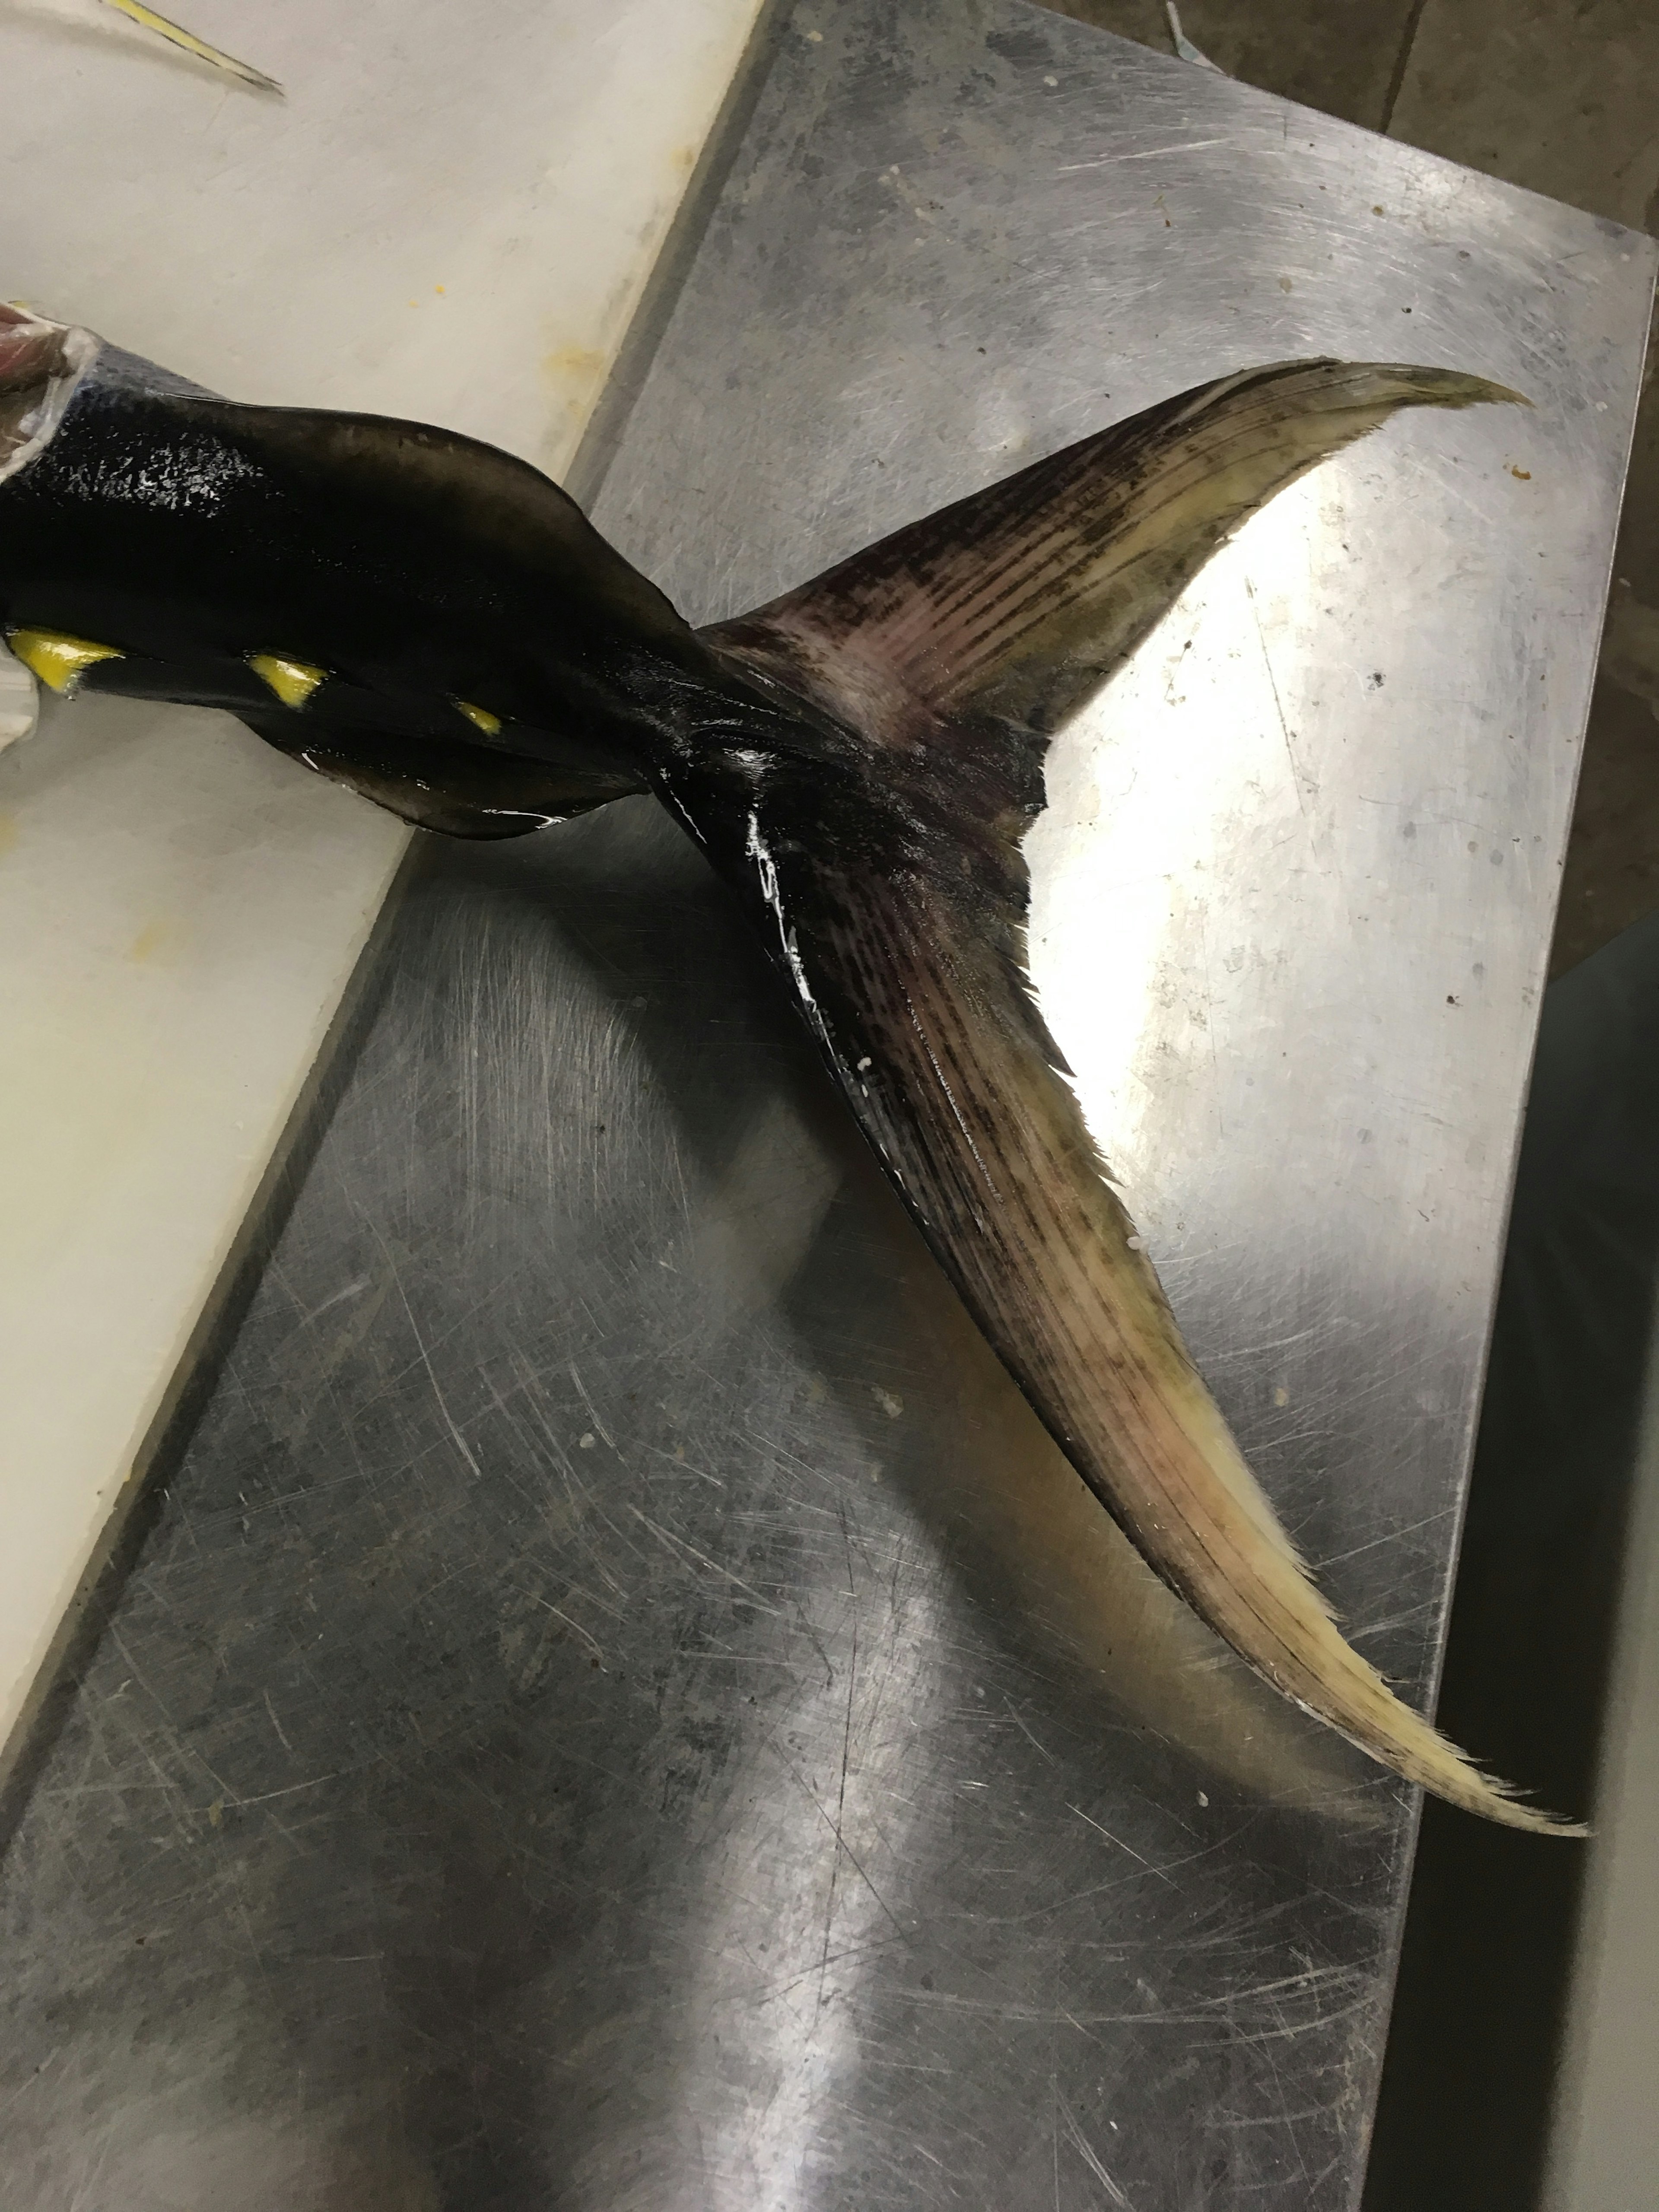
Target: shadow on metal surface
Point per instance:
(1479, 2014)
(161, 1453)
(499, 1779)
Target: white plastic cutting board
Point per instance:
(452, 216)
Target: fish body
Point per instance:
(438, 626)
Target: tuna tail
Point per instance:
(890, 883)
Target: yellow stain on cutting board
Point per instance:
(574, 374)
(154, 940)
(573, 368)
(7, 833)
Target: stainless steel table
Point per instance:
(620, 1706)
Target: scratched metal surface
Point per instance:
(622, 1707)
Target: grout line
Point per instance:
(1402, 62)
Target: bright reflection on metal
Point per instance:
(808, 1895)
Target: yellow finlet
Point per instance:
(489, 723)
(176, 35)
(57, 659)
(292, 681)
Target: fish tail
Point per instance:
(894, 897)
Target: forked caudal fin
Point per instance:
(861, 758)
(893, 892)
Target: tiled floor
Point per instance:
(1560, 96)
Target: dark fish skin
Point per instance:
(186, 527)
(437, 625)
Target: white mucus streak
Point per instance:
(760, 852)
